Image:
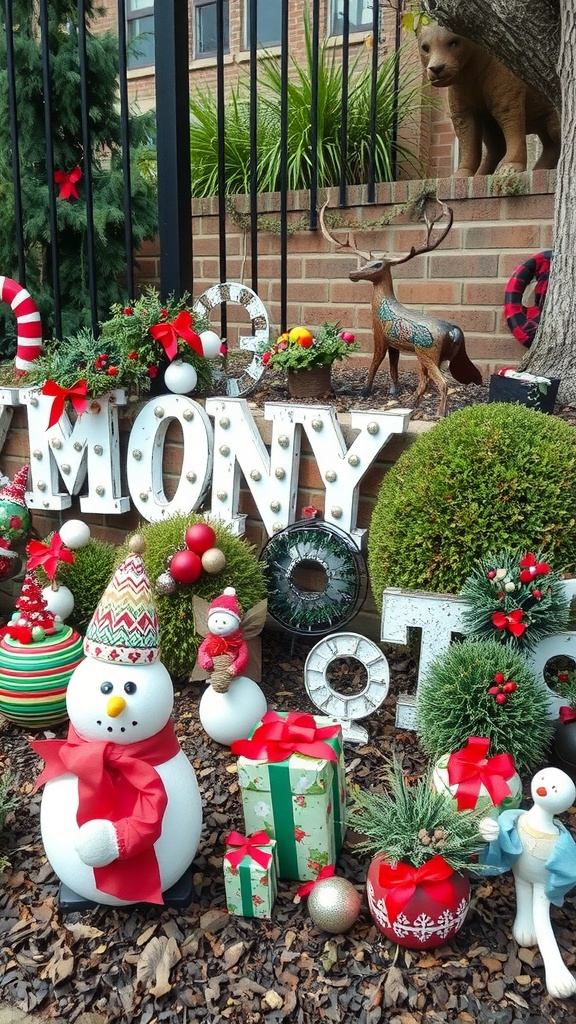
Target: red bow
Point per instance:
(67, 183)
(326, 872)
(511, 621)
(469, 769)
(277, 738)
(531, 568)
(567, 714)
(248, 846)
(402, 880)
(77, 395)
(167, 334)
(48, 555)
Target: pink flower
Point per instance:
(347, 336)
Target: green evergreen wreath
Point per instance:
(484, 688)
(515, 598)
(310, 544)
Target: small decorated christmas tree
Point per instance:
(33, 621)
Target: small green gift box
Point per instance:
(250, 874)
(292, 779)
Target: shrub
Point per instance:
(455, 701)
(87, 577)
(485, 478)
(178, 639)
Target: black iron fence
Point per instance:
(99, 147)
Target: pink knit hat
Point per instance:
(227, 602)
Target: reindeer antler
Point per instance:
(349, 244)
(346, 246)
(445, 211)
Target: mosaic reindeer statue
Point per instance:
(399, 329)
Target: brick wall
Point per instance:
(463, 280)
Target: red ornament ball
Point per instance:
(185, 567)
(199, 538)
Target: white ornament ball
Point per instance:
(60, 602)
(74, 534)
(180, 378)
(232, 715)
(213, 560)
(211, 343)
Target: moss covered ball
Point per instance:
(487, 477)
(454, 702)
(178, 640)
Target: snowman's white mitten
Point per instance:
(97, 844)
(489, 829)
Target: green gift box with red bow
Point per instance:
(292, 778)
(250, 868)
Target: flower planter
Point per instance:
(510, 389)
(310, 383)
(423, 922)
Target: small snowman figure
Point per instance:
(233, 703)
(121, 812)
(542, 855)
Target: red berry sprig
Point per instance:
(502, 688)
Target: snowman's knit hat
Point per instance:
(15, 490)
(226, 602)
(124, 628)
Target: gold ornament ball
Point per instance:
(213, 560)
(334, 905)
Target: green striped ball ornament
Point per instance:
(34, 677)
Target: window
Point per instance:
(205, 33)
(268, 23)
(140, 33)
(359, 16)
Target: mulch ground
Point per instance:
(201, 964)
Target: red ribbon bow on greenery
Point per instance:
(77, 395)
(277, 738)
(510, 621)
(469, 769)
(248, 846)
(67, 183)
(48, 555)
(530, 568)
(168, 332)
(402, 880)
(567, 714)
(328, 872)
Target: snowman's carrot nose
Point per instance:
(541, 789)
(115, 706)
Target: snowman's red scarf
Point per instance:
(119, 783)
(215, 645)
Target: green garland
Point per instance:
(484, 688)
(514, 602)
(313, 611)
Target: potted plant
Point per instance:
(417, 884)
(511, 385)
(307, 356)
(135, 342)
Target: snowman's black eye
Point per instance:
(129, 687)
(106, 688)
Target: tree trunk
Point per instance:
(523, 34)
(552, 352)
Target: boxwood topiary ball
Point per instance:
(454, 702)
(486, 477)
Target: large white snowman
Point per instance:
(121, 813)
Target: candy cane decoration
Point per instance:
(29, 326)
